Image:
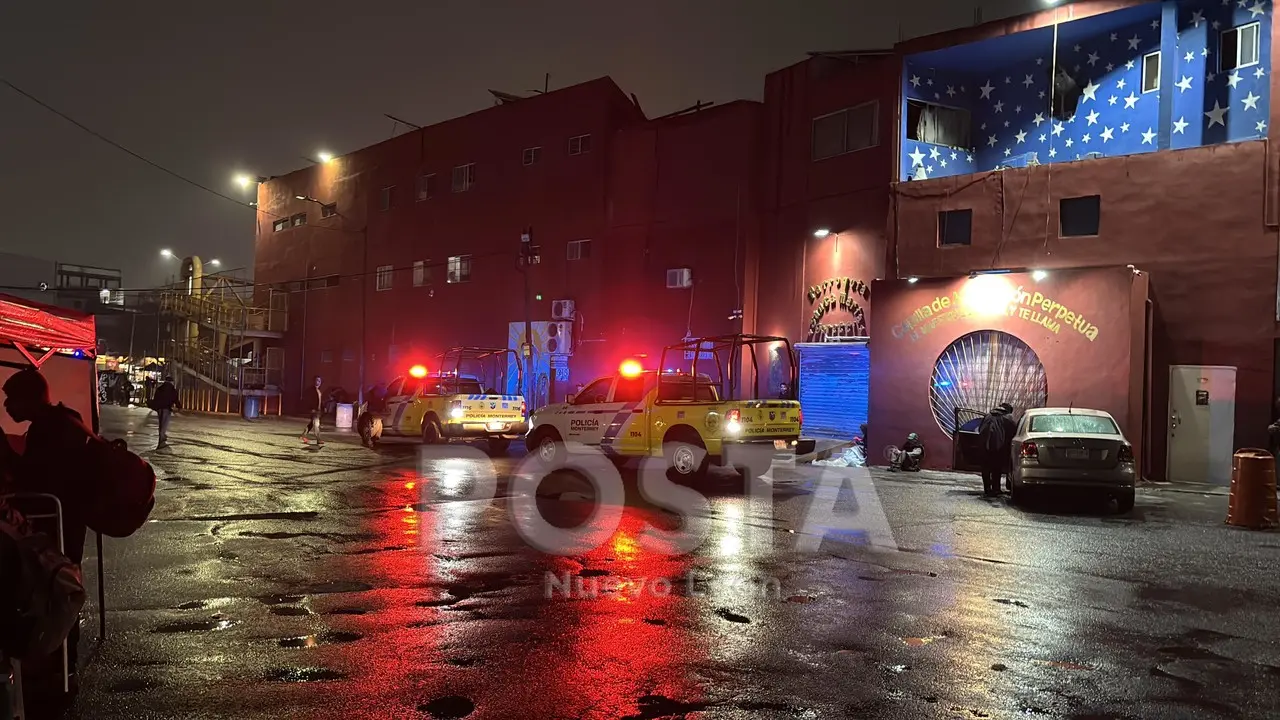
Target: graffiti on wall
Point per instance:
(844, 294)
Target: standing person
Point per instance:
(995, 445)
(316, 401)
(55, 451)
(164, 403)
(1006, 456)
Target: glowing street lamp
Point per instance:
(244, 181)
(166, 253)
(215, 262)
(821, 233)
(324, 156)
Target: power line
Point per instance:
(148, 161)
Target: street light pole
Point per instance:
(528, 256)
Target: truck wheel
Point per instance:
(547, 446)
(686, 459)
(431, 434)
(499, 446)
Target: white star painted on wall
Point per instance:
(934, 154)
(1257, 9)
(1204, 52)
(986, 90)
(1134, 42)
(1057, 129)
(929, 82)
(991, 141)
(1262, 126)
(1041, 94)
(1130, 101)
(1092, 117)
(961, 88)
(1107, 134)
(1076, 68)
(1148, 136)
(1039, 61)
(1028, 82)
(953, 155)
(1209, 77)
(1110, 67)
(1039, 118)
(1180, 125)
(1197, 17)
(1006, 123)
(1111, 100)
(1007, 152)
(1129, 65)
(1018, 109)
(1242, 3)
(1259, 73)
(1086, 138)
(983, 126)
(1233, 79)
(1053, 152)
(1022, 136)
(1043, 137)
(951, 91)
(1091, 91)
(999, 106)
(937, 96)
(1093, 59)
(1077, 48)
(1155, 24)
(1120, 83)
(917, 157)
(1217, 116)
(1184, 84)
(1190, 56)
(1124, 128)
(1069, 142)
(1007, 80)
(1216, 25)
(915, 81)
(1250, 101)
(943, 163)
(968, 158)
(1115, 37)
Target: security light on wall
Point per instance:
(821, 233)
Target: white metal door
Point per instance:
(1202, 415)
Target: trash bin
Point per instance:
(1253, 489)
(252, 407)
(342, 420)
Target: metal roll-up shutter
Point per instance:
(834, 387)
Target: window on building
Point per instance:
(580, 144)
(326, 356)
(938, 124)
(348, 355)
(1151, 72)
(426, 186)
(849, 130)
(579, 249)
(299, 219)
(320, 283)
(1079, 216)
(955, 227)
(421, 273)
(328, 210)
(532, 155)
(459, 269)
(280, 224)
(464, 177)
(386, 197)
(383, 278)
(1239, 46)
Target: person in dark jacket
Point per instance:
(994, 441)
(164, 403)
(1010, 430)
(909, 456)
(315, 400)
(55, 450)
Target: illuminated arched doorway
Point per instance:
(981, 370)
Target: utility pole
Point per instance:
(528, 256)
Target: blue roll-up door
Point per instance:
(834, 382)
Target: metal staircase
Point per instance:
(225, 352)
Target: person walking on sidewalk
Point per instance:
(316, 401)
(164, 403)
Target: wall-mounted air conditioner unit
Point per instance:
(563, 310)
(679, 278)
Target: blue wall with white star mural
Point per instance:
(1005, 86)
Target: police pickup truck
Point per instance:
(681, 416)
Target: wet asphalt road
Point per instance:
(280, 581)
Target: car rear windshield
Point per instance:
(1094, 424)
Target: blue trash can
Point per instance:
(252, 407)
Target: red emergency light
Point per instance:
(630, 368)
(418, 371)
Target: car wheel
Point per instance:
(499, 446)
(547, 447)
(431, 434)
(1124, 502)
(685, 459)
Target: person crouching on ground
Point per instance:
(908, 457)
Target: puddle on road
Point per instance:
(450, 707)
(348, 611)
(193, 605)
(332, 637)
(133, 685)
(732, 616)
(1015, 603)
(304, 675)
(659, 706)
(656, 621)
(211, 625)
(281, 599)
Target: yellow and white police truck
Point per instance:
(684, 416)
(439, 406)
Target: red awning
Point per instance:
(33, 324)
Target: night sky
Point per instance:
(211, 89)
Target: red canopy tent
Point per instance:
(28, 324)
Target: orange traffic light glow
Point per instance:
(418, 371)
(630, 368)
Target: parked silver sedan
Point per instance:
(1074, 448)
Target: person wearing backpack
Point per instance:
(164, 403)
